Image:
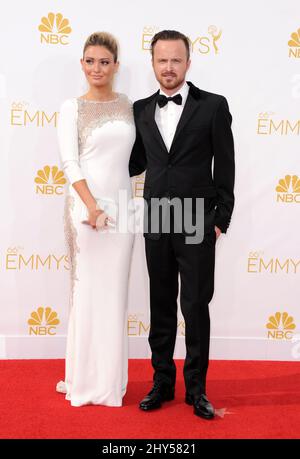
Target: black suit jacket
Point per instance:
(200, 162)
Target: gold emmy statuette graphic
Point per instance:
(213, 31)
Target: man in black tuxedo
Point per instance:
(180, 132)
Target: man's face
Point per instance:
(170, 64)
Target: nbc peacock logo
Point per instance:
(288, 189)
(294, 44)
(55, 29)
(280, 326)
(50, 181)
(43, 322)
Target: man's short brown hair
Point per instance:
(171, 35)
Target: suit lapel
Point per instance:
(190, 106)
(192, 103)
(149, 114)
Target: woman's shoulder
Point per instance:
(69, 105)
(124, 98)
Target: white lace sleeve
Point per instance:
(68, 140)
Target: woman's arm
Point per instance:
(68, 146)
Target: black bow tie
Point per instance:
(163, 100)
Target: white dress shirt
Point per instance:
(168, 116)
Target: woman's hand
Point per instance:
(94, 214)
(103, 221)
(98, 219)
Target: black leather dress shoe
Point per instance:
(160, 392)
(201, 404)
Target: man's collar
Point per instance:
(184, 91)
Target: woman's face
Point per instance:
(99, 66)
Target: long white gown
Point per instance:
(95, 140)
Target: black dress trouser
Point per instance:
(167, 257)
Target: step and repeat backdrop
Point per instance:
(247, 51)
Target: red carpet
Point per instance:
(261, 400)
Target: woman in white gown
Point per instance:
(96, 133)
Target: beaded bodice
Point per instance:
(94, 114)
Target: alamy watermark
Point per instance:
(156, 215)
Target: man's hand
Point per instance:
(218, 232)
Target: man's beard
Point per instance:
(174, 83)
